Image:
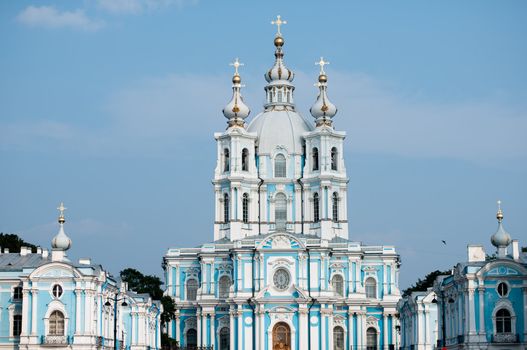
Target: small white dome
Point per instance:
(236, 108)
(61, 241)
(279, 128)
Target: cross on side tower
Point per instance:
(321, 63)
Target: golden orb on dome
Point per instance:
(278, 41)
(322, 78)
(236, 79)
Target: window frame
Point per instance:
(223, 294)
(339, 291)
(316, 207)
(374, 285)
(335, 207)
(55, 323)
(245, 159)
(226, 208)
(191, 293)
(245, 208)
(280, 207)
(334, 158)
(17, 325)
(315, 159)
(338, 331)
(226, 160)
(280, 166)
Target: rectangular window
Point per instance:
(17, 293)
(17, 325)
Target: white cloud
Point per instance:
(49, 17)
(139, 6)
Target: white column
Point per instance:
(302, 328)
(427, 325)
(472, 312)
(178, 328)
(385, 330)
(176, 267)
(262, 328)
(239, 273)
(481, 291)
(239, 316)
(330, 331)
(384, 280)
(359, 329)
(324, 331)
(212, 330)
(394, 333)
(26, 312)
(134, 334)
(350, 329)
(231, 326)
(350, 276)
(88, 301)
(78, 311)
(34, 310)
(198, 319)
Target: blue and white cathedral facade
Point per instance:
(281, 271)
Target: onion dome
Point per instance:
(501, 239)
(279, 71)
(61, 241)
(236, 110)
(323, 110)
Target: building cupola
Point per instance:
(61, 242)
(236, 110)
(323, 110)
(501, 239)
(279, 89)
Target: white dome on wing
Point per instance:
(279, 128)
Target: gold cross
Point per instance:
(321, 63)
(61, 209)
(236, 64)
(278, 23)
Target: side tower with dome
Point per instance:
(281, 271)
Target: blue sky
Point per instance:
(111, 106)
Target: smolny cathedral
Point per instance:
(281, 271)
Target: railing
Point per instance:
(505, 338)
(56, 340)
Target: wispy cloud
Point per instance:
(139, 6)
(50, 17)
(158, 116)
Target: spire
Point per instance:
(61, 242)
(501, 239)
(279, 70)
(323, 110)
(236, 110)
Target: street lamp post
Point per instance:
(115, 301)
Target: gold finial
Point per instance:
(499, 214)
(278, 24)
(61, 209)
(322, 63)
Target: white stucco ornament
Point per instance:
(281, 242)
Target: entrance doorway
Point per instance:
(281, 336)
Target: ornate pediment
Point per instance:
(503, 271)
(281, 241)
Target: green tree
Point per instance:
(140, 283)
(423, 284)
(13, 242)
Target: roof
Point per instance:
(15, 261)
(279, 128)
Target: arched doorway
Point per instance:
(281, 336)
(371, 339)
(192, 338)
(224, 339)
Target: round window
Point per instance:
(57, 291)
(503, 289)
(281, 279)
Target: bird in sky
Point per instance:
(444, 242)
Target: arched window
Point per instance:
(338, 338)
(335, 202)
(503, 321)
(279, 166)
(56, 323)
(279, 95)
(226, 206)
(371, 339)
(17, 325)
(316, 208)
(192, 338)
(245, 208)
(280, 211)
(314, 153)
(192, 289)
(224, 286)
(334, 158)
(338, 284)
(224, 338)
(226, 160)
(371, 288)
(245, 159)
